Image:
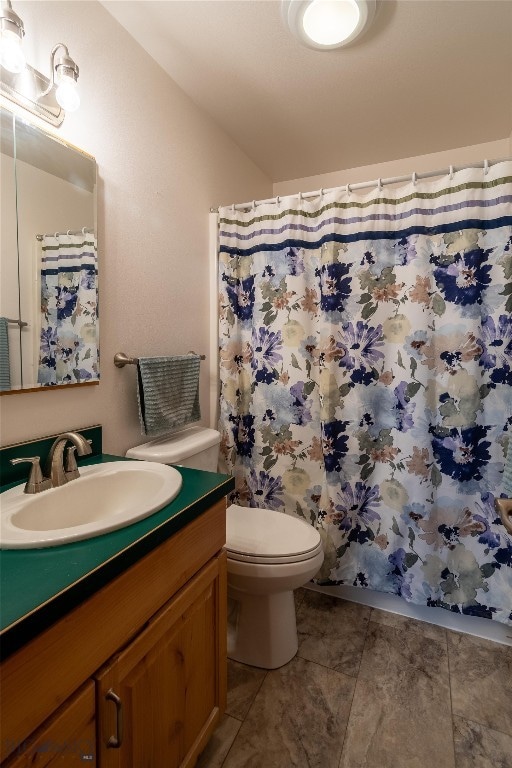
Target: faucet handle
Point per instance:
(36, 482)
(70, 465)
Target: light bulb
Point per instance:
(12, 56)
(67, 94)
(329, 22)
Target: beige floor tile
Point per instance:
(298, 597)
(477, 746)
(332, 631)
(481, 681)
(244, 683)
(407, 624)
(297, 720)
(219, 745)
(389, 651)
(400, 716)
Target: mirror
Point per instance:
(48, 261)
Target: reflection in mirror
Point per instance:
(10, 330)
(48, 301)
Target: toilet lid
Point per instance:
(266, 536)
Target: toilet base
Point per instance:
(262, 630)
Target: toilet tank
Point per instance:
(196, 447)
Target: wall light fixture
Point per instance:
(11, 35)
(65, 77)
(48, 98)
(328, 24)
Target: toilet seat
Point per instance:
(264, 536)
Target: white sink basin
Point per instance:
(103, 498)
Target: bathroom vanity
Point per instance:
(126, 664)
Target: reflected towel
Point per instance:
(168, 392)
(5, 366)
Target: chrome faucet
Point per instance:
(56, 470)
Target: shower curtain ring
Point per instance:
(414, 178)
(321, 193)
(379, 184)
(300, 198)
(278, 200)
(348, 189)
(451, 172)
(486, 167)
(254, 205)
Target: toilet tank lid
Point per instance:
(172, 449)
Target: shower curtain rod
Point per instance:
(484, 164)
(84, 231)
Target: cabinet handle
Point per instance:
(115, 741)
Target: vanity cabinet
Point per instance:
(158, 698)
(137, 671)
(68, 738)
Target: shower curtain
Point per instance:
(69, 321)
(366, 380)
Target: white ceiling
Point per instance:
(429, 75)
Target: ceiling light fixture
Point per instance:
(11, 35)
(328, 24)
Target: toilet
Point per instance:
(269, 554)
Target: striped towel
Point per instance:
(168, 392)
(5, 366)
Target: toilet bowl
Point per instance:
(269, 555)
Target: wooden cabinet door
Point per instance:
(163, 695)
(66, 739)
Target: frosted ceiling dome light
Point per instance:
(330, 22)
(327, 24)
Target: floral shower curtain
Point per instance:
(366, 380)
(69, 325)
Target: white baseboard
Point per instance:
(470, 625)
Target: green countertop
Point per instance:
(38, 586)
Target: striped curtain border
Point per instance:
(503, 221)
(365, 203)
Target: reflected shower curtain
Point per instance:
(69, 319)
(366, 380)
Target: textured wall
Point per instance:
(162, 163)
(492, 150)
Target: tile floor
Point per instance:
(369, 689)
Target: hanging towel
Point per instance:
(5, 367)
(168, 392)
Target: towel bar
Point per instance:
(21, 323)
(120, 359)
